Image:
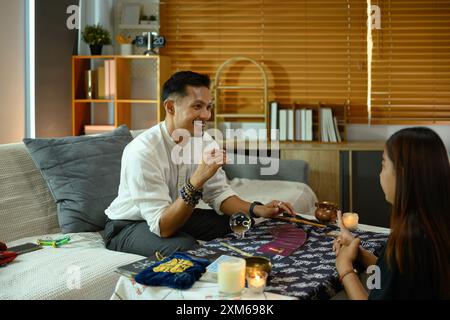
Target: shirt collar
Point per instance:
(167, 138)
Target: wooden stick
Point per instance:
(297, 220)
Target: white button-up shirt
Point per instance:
(150, 181)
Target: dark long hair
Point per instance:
(420, 220)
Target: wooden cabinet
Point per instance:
(323, 171)
(347, 174)
(136, 91)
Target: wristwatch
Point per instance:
(252, 206)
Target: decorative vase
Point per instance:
(326, 212)
(96, 49)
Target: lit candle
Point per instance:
(256, 281)
(350, 220)
(231, 276)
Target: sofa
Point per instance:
(84, 268)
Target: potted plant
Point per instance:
(96, 37)
(143, 19)
(148, 19)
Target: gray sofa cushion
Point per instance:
(288, 170)
(83, 175)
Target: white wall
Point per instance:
(12, 70)
(383, 132)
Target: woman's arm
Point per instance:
(354, 288)
(345, 258)
(366, 258)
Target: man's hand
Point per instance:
(273, 209)
(211, 161)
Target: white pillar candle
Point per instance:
(231, 276)
(350, 220)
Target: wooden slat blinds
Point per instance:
(315, 51)
(411, 63)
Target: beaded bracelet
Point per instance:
(192, 188)
(190, 197)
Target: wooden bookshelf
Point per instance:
(125, 98)
(338, 111)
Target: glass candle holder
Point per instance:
(350, 220)
(256, 281)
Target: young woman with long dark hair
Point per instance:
(415, 263)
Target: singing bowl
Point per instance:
(258, 263)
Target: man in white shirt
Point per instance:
(155, 207)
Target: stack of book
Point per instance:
(107, 86)
(102, 84)
(293, 124)
(329, 126)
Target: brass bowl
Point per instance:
(258, 263)
(326, 212)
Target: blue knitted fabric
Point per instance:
(178, 271)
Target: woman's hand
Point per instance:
(273, 209)
(345, 237)
(347, 255)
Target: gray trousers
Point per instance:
(136, 237)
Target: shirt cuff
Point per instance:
(218, 201)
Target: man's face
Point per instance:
(195, 106)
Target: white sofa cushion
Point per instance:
(82, 269)
(26, 206)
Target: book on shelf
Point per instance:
(96, 129)
(283, 124)
(290, 124)
(274, 120)
(329, 126)
(112, 79)
(101, 93)
(303, 124)
(308, 125)
(106, 75)
(298, 125)
(338, 134)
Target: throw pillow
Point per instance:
(83, 175)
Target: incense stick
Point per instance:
(297, 220)
(245, 254)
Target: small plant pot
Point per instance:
(96, 49)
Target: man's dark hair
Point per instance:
(178, 82)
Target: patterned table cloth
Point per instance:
(309, 273)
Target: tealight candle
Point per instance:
(231, 276)
(256, 281)
(350, 220)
